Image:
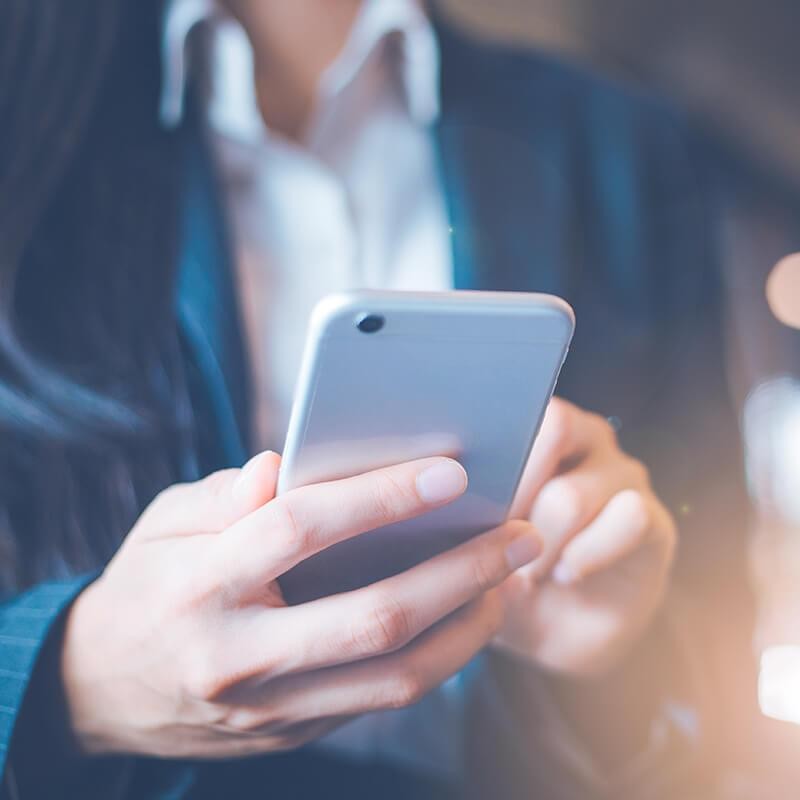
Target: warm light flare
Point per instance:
(783, 291)
(779, 683)
(771, 422)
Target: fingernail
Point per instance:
(522, 551)
(444, 481)
(564, 575)
(240, 484)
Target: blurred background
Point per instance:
(734, 68)
(734, 65)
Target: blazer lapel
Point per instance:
(208, 308)
(507, 197)
(507, 193)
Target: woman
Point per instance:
(125, 378)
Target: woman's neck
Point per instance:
(294, 43)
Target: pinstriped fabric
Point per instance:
(25, 621)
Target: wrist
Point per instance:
(82, 654)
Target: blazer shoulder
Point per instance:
(528, 87)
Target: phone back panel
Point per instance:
(465, 374)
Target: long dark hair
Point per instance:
(93, 404)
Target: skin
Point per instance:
(184, 646)
(609, 545)
(293, 44)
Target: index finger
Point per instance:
(291, 528)
(567, 435)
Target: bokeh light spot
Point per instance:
(783, 290)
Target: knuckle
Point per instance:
(252, 721)
(217, 483)
(166, 498)
(388, 497)
(602, 429)
(488, 568)
(609, 432)
(637, 509)
(641, 474)
(386, 626)
(296, 540)
(243, 720)
(406, 689)
(191, 590)
(204, 681)
(563, 502)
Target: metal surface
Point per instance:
(466, 374)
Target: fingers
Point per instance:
(386, 616)
(567, 435)
(569, 502)
(257, 482)
(577, 486)
(631, 521)
(388, 682)
(213, 503)
(304, 521)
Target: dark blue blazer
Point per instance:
(555, 182)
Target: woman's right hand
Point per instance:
(184, 646)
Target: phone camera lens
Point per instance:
(370, 323)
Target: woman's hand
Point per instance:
(608, 549)
(185, 648)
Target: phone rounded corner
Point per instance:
(564, 307)
(328, 308)
(567, 314)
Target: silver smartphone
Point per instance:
(389, 376)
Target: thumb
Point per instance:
(214, 503)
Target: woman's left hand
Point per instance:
(609, 544)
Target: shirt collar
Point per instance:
(233, 108)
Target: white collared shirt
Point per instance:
(357, 204)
